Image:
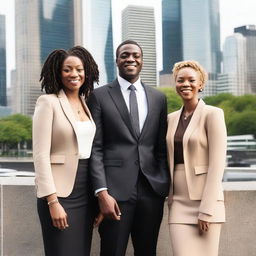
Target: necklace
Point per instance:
(185, 117)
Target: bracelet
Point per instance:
(54, 201)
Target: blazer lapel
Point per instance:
(117, 97)
(193, 122)
(67, 109)
(86, 108)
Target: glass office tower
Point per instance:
(98, 36)
(191, 31)
(3, 99)
(249, 32)
(172, 34)
(41, 26)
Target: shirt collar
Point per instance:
(124, 84)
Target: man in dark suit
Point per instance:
(128, 162)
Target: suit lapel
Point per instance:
(150, 102)
(67, 109)
(117, 97)
(193, 122)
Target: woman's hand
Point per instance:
(59, 216)
(98, 220)
(203, 227)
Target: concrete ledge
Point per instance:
(20, 232)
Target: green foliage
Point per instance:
(14, 129)
(243, 123)
(174, 102)
(23, 122)
(240, 111)
(219, 98)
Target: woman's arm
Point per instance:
(217, 143)
(42, 133)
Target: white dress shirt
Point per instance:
(140, 95)
(141, 100)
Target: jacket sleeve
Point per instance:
(161, 148)
(217, 143)
(97, 170)
(42, 133)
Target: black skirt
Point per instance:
(79, 206)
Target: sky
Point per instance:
(233, 13)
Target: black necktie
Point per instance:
(134, 110)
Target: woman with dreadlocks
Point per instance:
(63, 131)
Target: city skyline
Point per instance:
(243, 13)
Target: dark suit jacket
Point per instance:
(117, 154)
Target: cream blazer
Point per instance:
(55, 146)
(204, 149)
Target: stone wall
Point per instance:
(20, 233)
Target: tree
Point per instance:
(242, 123)
(15, 130)
(174, 102)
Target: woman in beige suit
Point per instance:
(63, 131)
(196, 141)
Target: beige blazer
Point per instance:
(55, 146)
(204, 149)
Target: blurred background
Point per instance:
(220, 34)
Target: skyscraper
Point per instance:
(249, 32)
(3, 99)
(49, 25)
(172, 34)
(191, 31)
(234, 66)
(98, 36)
(138, 23)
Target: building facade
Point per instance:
(98, 37)
(191, 31)
(49, 25)
(172, 34)
(3, 84)
(138, 24)
(233, 79)
(249, 32)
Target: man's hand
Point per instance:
(108, 206)
(98, 220)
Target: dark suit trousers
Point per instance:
(141, 217)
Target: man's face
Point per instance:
(129, 62)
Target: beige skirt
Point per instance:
(186, 241)
(186, 211)
(183, 219)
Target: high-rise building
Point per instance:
(233, 79)
(3, 98)
(49, 25)
(249, 32)
(191, 31)
(172, 34)
(138, 24)
(98, 37)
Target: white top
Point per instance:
(85, 135)
(140, 95)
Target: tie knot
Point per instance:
(132, 87)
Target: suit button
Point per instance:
(137, 162)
